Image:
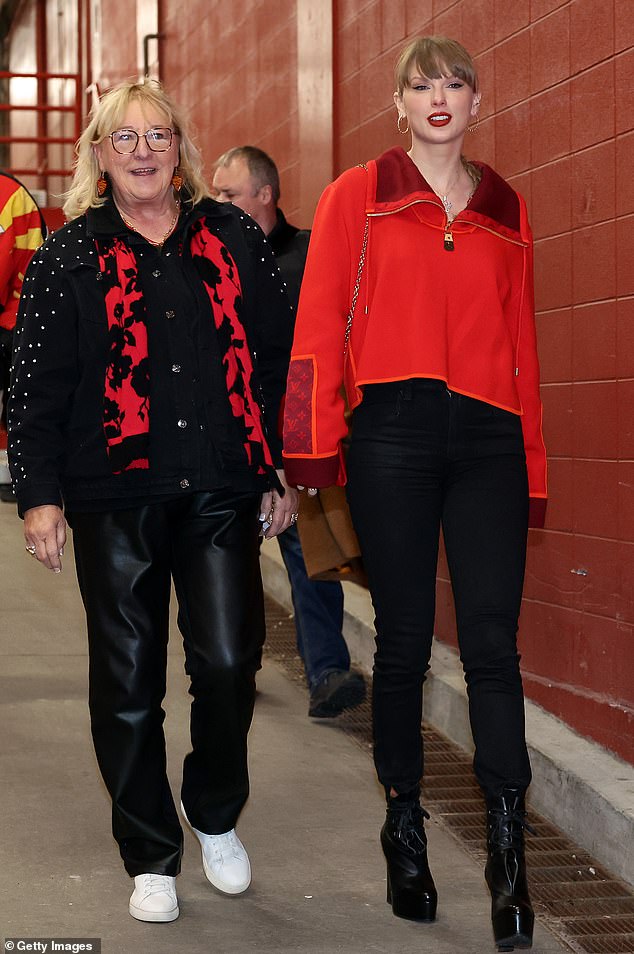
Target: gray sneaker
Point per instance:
(338, 690)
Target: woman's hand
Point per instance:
(278, 513)
(311, 491)
(45, 535)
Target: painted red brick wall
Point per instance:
(234, 66)
(558, 121)
(114, 36)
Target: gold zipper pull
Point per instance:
(449, 246)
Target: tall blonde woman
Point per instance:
(440, 368)
(151, 352)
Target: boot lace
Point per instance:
(408, 826)
(507, 827)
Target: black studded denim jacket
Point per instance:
(57, 448)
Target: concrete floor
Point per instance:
(311, 825)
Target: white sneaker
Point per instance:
(225, 860)
(154, 898)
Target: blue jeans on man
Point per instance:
(318, 607)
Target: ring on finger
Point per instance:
(30, 548)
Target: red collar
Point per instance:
(398, 178)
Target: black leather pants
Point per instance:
(208, 544)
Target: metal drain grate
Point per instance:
(579, 901)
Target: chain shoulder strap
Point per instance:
(357, 284)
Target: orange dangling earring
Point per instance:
(102, 184)
(177, 180)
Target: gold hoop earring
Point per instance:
(403, 132)
(474, 126)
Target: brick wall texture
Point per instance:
(558, 121)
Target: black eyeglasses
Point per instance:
(125, 141)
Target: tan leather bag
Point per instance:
(329, 543)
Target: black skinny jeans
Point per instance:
(208, 544)
(423, 457)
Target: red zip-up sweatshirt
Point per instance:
(450, 302)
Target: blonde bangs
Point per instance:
(434, 57)
(114, 105)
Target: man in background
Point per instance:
(22, 230)
(248, 177)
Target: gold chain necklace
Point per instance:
(167, 234)
(447, 204)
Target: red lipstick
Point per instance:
(439, 119)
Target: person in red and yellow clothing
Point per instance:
(22, 230)
(440, 367)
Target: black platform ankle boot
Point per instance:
(410, 887)
(511, 911)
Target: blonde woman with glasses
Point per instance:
(151, 351)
